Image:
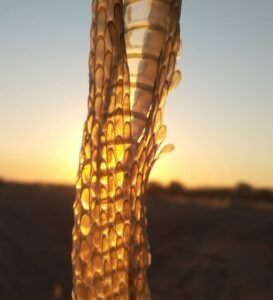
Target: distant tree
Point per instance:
(175, 188)
(244, 188)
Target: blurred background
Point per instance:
(211, 208)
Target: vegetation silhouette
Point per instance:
(201, 249)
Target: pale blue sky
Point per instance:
(220, 118)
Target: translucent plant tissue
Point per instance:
(132, 67)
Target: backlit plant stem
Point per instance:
(132, 66)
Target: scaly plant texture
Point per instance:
(132, 67)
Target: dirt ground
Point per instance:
(201, 250)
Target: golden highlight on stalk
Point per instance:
(132, 67)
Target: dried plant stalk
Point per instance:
(132, 66)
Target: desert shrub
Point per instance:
(175, 188)
(244, 188)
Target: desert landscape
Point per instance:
(92, 94)
(206, 244)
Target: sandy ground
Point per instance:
(201, 250)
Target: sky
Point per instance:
(220, 117)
